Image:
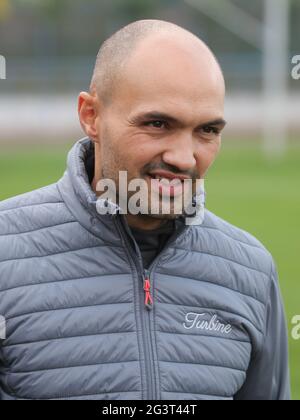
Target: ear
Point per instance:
(88, 112)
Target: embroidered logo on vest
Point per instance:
(195, 320)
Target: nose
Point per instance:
(180, 153)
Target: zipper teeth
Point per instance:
(151, 343)
(147, 351)
(149, 270)
(147, 346)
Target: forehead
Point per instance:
(173, 77)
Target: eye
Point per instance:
(211, 130)
(156, 124)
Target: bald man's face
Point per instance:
(166, 113)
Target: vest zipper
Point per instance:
(146, 303)
(147, 300)
(147, 289)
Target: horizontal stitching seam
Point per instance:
(31, 205)
(194, 393)
(56, 253)
(206, 336)
(74, 396)
(66, 309)
(38, 230)
(223, 258)
(64, 280)
(94, 395)
(4, 346)
(231, 237)
(203, 364)
(71, 367)
(218, 285)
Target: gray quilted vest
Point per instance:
(85, 320)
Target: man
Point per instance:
(147, 305)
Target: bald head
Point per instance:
(130, 45)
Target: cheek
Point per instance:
(113, 149)
(111, 158)
(139, 153)
(205, 157)
(138, 160)
(126, 156)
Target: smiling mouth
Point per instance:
(165, 180)
(166, 186)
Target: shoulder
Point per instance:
(236, 243)
(32, 211)
(39, 196)
(224, 228)
(235, 252)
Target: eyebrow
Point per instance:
(156, 115)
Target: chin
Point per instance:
(164, 216)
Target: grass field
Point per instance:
(243, 188)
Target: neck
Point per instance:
(144, 222)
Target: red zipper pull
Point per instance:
(147, 289)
